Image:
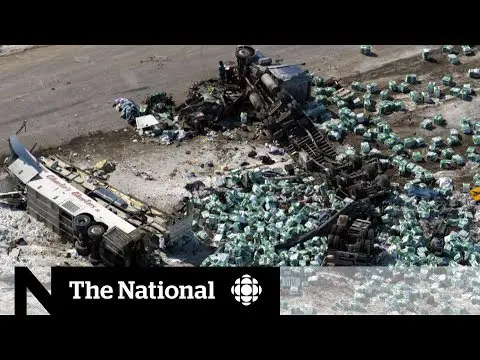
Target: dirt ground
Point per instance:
(66, 91)
(407, 123)
(171, 167)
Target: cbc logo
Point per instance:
(246, 290)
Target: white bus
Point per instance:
(97, 231)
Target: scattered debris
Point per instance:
(145, 175)
(366, 50)
(195, 186)
(267, 160)
(252, 154)
(426, 55)
(21, 242)
(128, 109)
(467, 50)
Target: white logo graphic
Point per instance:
(246, 290)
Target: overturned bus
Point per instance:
(103, 231)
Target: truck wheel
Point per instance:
(336, 242)
(371, 234)
(279, 135)
(94, 261)
(96, 231)
(340, 181)
(244, 52)
(82, 222)
(81, 250)
(329, 173)
(330, 241)
(363, 234)
(370, 171)
(270, 122)
(341, 231)
(361, 246)
(283, 97)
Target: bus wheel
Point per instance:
(82, 222)
(81, 249)
(96, 231)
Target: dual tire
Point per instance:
(85, 226)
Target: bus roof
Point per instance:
(70, 199)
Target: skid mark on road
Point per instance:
(132, 90)
(46, 112)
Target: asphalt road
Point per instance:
(67, 91)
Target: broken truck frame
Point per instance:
(354, 235)
(288, 123)
(275, 92)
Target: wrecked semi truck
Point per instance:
(277, 93)
(94, 227)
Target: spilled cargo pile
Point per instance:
(246, 222)
(426, 227)
(394, 290)
(253, 211)
(423, 223)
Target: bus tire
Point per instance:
(81, 249)
(96, 231)
(82, 222)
